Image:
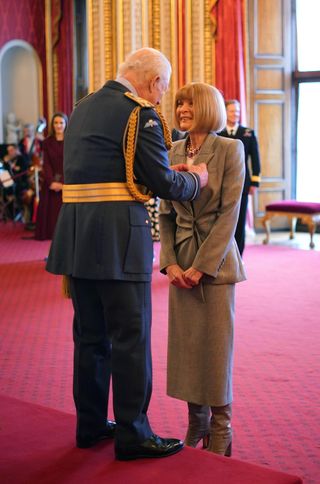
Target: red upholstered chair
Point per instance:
(307, 212)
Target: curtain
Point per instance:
(62, 38)
(228, 18)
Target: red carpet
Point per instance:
(38, 448)
(276, 407)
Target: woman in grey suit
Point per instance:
(201, 259)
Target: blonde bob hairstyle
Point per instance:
(209, 112)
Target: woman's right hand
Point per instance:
(56, 186)
(175, 275)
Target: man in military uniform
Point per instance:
(114, 143)
(252, 176)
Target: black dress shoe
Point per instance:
(90, 441)
(155, 446)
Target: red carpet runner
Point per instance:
(37, 447)
(276, 407)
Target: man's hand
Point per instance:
(180, 167)
(192, 276)
(176, 277)
(202, 171)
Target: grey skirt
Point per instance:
(200, 344)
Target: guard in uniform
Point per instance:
(114, 156)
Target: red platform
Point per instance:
(37, 446)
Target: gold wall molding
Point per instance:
(209, 75)
(137, 25)
(128, 15)
(154, 24)
(197, 15)
(96, 53)
(109, 39)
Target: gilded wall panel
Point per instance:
(197, 45)
(154, 24)
(117, 27)
(168, 45)
(128, 15)
(208, 45)
(109, 39)
(137, 25)
(96, 53)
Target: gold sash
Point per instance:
(97, 192)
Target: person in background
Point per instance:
(52, 178)
(115, 146)
(14, 163)
(201, 259)
(252, 179)
(30, 146)
(153, 211)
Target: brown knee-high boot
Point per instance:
(220, 440)
(199, 425)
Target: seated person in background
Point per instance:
(15, 164)
(30, 147)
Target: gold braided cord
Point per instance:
(130, 141)
(166, 130)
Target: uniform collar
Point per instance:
(127, 84)
(234, 128)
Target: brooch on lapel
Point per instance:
(247, 132)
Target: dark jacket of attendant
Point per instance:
(112, 240)
(248, 138)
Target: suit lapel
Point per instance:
(205, 155)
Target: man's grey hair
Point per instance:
(146, 63)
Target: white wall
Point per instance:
(20, 84)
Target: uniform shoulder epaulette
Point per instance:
(139, 100)
(82, 99)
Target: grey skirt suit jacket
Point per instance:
(201, 234)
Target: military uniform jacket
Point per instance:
(112, 240)
(249, 140)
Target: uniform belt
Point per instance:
(96, 192)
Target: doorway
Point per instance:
(20, 85)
